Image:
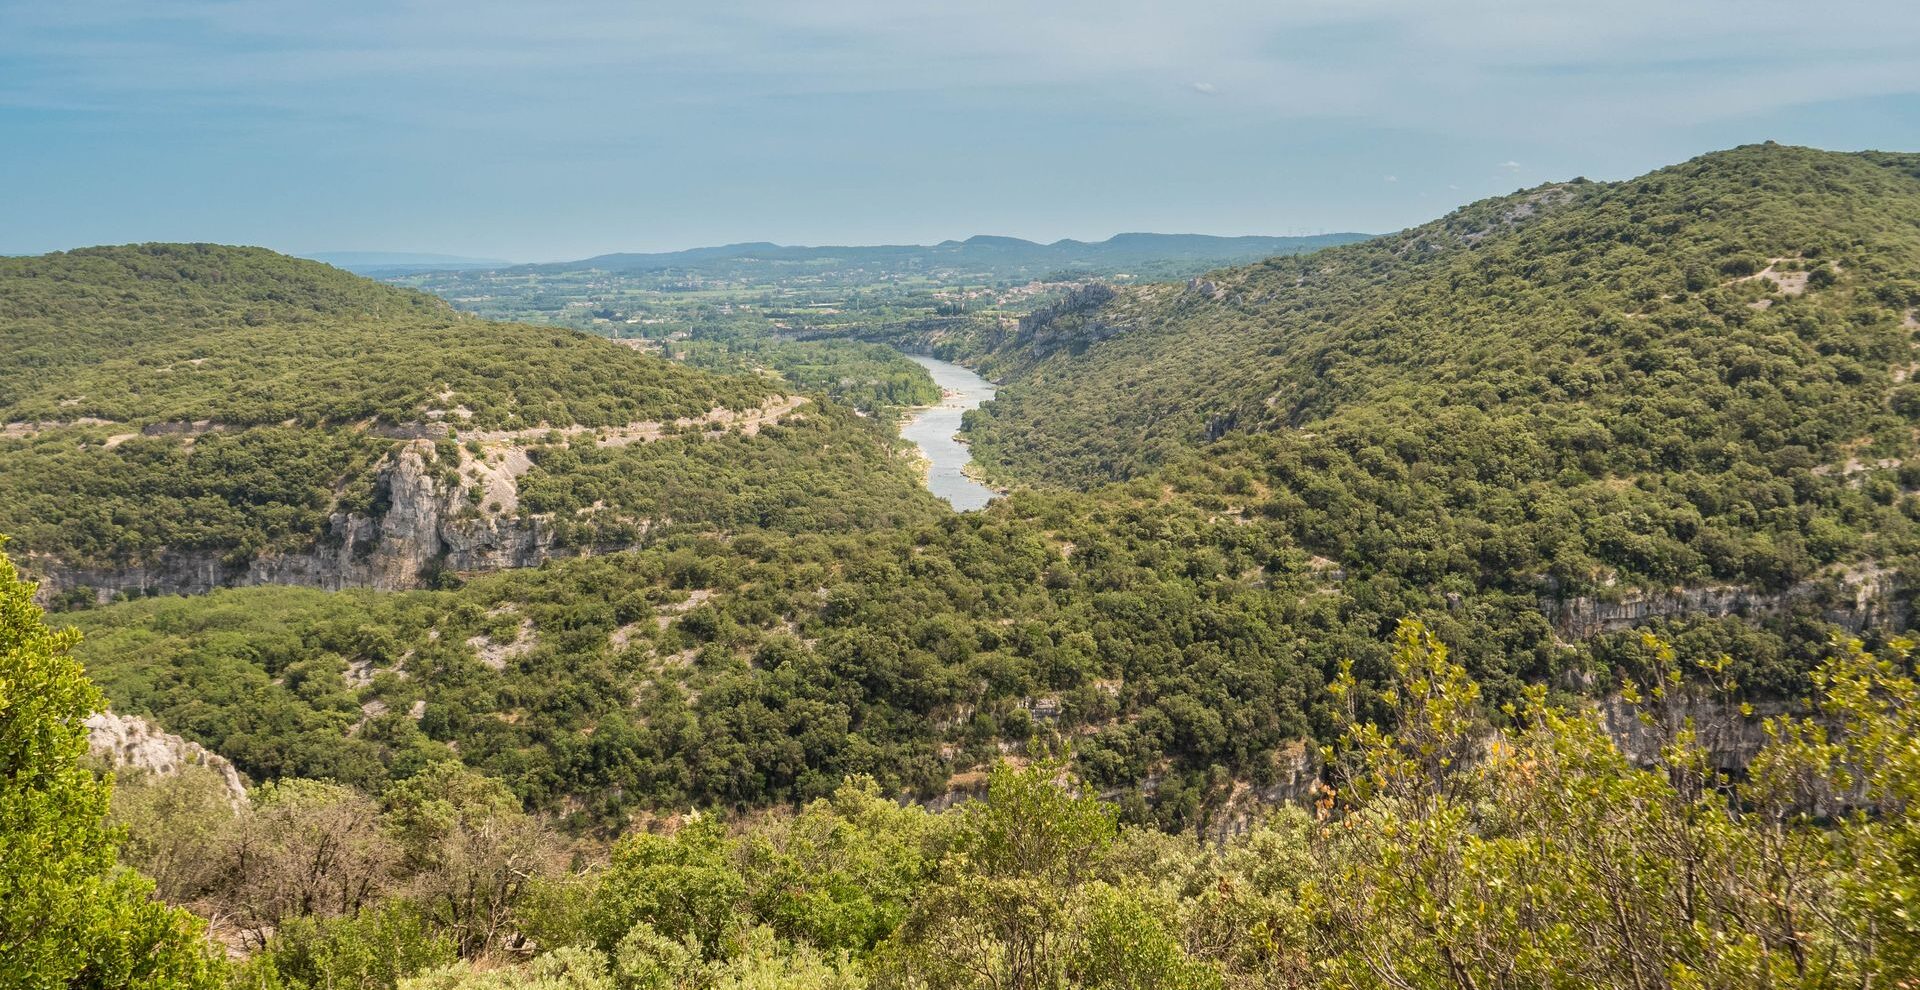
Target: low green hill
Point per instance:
(1700, 374)
(225, 403)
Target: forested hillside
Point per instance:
(1445, 850)
(1737, 288)
(1699, 375)
(1176, 629)
(1494, 543)
(176, 413)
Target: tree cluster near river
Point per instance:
(869, 377)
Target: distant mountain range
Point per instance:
(384, 262)
(985, 253)
(989, 252)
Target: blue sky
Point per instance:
(537, 131)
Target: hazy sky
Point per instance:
(559, 129)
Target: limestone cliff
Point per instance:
(419, 529)
(1853, 598)
(132, 742)
(429, 516)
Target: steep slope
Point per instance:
(1536, 481)
(180, 417)
(1723, 271)
(1696, 375)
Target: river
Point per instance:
(933, 430)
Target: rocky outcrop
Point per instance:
(132, 742)
(423, 523)
(1297, 780)
(1732, 738)
(421, 529)
(1855, 599)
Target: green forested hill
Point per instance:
(1367, 530)
(1565, 303)
(1698, 374)
(244, 336)
(230, 401)
(1486, 422)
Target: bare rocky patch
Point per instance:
(665, 614)
(27, 429)
(1788, 283)
(132, 741)
(496, 654)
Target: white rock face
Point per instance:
(1854, 598)
(392, 550)
(424, 524)
(132, 741)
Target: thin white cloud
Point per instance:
(1475, 65)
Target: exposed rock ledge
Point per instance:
(394, 550)
(426, 526)
(129, 741)
(1854, 599)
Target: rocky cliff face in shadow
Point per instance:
(421, 529)
(1855, 598)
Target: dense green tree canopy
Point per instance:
(69, 915)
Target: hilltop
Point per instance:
(180, 417)
(1759, 275)
(1696, 376)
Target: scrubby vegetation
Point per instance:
(1695, 375)
(1160, 639)
(1448, 853)
(230, 401)
(1305, 533)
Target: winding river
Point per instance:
(933, 430)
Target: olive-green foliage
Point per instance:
(1581, 381)
(69, 915)
(837, 875)
(1452, 855)
(468, 850)
(370, 950)
(246, 337)
(205, 399)
(1544, 856)
(561, 969)
(175, 826)
(871, 377)
(766, 668)
(326, 887)
(823, 469)
(1160, 633)
(257, 677)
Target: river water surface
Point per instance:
(932, 429)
